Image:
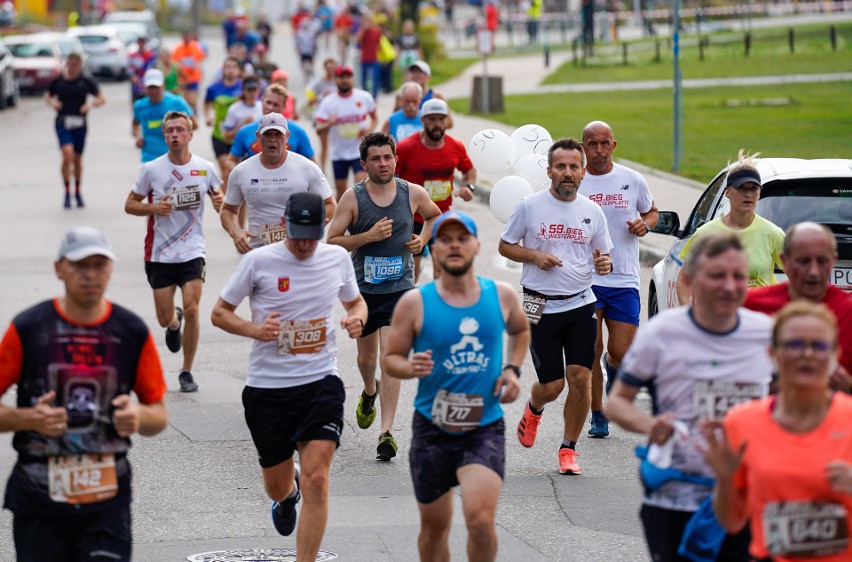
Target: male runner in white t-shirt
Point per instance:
(293, 397)
(174, 185)
(628, 205)
(265, 182)
(565, 239)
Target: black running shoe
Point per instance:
(173, 337)
(187, 383)
(284, 513)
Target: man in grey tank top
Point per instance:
(378, 214)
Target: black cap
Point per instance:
(305, 216)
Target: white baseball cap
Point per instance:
(272, 121)
(154, 77)
(434, 106)
(84, 242)
(422, 66)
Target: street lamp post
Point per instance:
(678, 89)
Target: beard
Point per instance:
(457, 270)
(435, 134)
(566, 191)
(344, 88)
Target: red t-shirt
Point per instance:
(370, 44)
(780, 467)
(433, 169)
(771, 299)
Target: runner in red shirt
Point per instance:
(430, 158)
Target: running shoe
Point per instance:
(528, 427)
(79, 199)
(387, 447)
(568, 461)
(173, 337)
(67, 201)
(284, 512)
(600, 426)
(187, 383)
(365, 413)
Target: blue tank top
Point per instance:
(467, 347)
(402, 126)
(427, 96)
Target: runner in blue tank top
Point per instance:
(458, 431)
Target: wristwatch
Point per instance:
(647, 228)
(513, 368)
(471, 187)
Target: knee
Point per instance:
(580, 378)
(480, 526)
(190, 312)
(433, 532)
(165, 317)
(277, 489)
(314, 485)
(552, 390)
(367, 361)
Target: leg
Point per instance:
(578, 401)
(78, 171)
(280, 480)
(620, 337)
(67, 162)
(480, 490)
(417, 259)
(543, 393)
(597, 371)
(389, 392)
(191, 296)
(368, 352)
(222, 160)
(340, 186)
(315, 460)
(164, 303)
(435, 519)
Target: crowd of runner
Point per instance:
(749, 454)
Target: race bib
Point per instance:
(711, 400)
(380, 269)
(186, 198)
(439, 190)
(71, 122)
(457, 412)
(270, 233)
(188, 62)
(82, 478)
(805, 529)
(349, 130)
(534, 307)
(301, 336)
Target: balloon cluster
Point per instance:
(523, 153)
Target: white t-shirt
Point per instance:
(699, 375)
(571, 231)
(266, 190)
(622, 194)
(239, 111)
(350, 115)
(177, 237)
(304, 292)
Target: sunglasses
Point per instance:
(798, 347)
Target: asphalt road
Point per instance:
(197, 486)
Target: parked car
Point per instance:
(794, 190)
(144, 17)
(9, 91)
(106, 54)
(39, 57)
(129, 32)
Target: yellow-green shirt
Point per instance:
(763, 242)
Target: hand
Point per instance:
(126, 417)
(84, 109)
(602, 264)
(218, 199)
(57, 105)
(415, 245)
(382, 230)
(662, 429)
(270, 329)
(163, 207)
(839, 476)
(140, 142)
(724, 461)
(546, 262)
(421, 363)
(353, 326)
(466, 194)
(510, 384)
(841, 380)
(48, 420)
(637, 227)
(209, 121)
(241, 240)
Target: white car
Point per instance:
(39, 57)
(106, 54)
(794, 190)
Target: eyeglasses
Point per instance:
(798, 347)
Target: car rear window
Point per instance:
(30, 50)
(824, 200)
(92, 39)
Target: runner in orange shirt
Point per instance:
(189, 55)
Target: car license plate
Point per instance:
(842, 278)
(26, 81)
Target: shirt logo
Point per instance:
(466, 355)
(198, 173)
(562, 232)
(625, 187)
(176, 174)
(587, 221)
(254, 181)
(283, 284)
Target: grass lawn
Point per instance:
(818, 123)
(724, 57)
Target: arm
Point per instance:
(224, 316)
(132, 417)
(229, 217)
(374, 121)
(405, 325)
(729, 500)
(426, 208)
(99, 101)
(217, 198)
(41, 418)
(330, 208)
(208, 117)
(684, 295)
(52, 100)
(646, 221)
(518, 253)
(134, 206)
(356, 317)
(343, 219)
(518, 330)
(137, 133)
(621, 409)
(469, 177)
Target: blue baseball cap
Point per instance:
(453, 217)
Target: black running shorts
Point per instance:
(379, 310)
(564, 338)
(162, 275)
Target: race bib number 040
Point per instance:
(82, 478)
(711, 400)
(302, 336)
(456, 412)
(805, 529)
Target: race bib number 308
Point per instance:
(805, 529)
(302, 336)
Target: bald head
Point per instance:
(599, 145)
(810, 252)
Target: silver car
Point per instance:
(794, 190)
(106, 54)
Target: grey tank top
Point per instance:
(387, 266)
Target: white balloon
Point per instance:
(531, 139)
(533, 168)
(506, 194)
(492, 151)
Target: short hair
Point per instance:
(745, 161)
(278, 90)
(376, 138)
(569, 143)
(75, 56)
(414, 85)
(710, 246)
(791, 231)
(799, 308)
(235, 59)
(171, 115)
